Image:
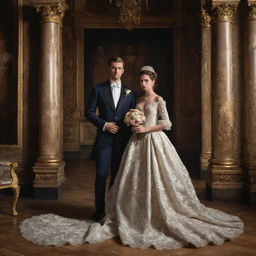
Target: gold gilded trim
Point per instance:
(14, 185)
(252, 12)
(205, 19)
(50, 10)
(222, 176)
(50, 14)
(20, 73)
(223, 12)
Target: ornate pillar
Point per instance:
(49, 166)
(206, 91)
(225, 179)
(250, 107)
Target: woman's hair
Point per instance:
(151, 74)
(148, 70)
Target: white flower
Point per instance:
(134, 117)
(127, 92)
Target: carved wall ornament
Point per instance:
(205, 19)
(45, 177)
(252, 11)
(130, 12)
(51, 11)
(224, 12)
(51, 178)
(226, 178)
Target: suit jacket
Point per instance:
(101, 98)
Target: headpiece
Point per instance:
(148, 68)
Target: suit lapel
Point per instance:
(109, 96)
(121, 99)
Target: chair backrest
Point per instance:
(5, 174)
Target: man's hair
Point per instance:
(115, 59)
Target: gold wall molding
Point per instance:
(50, 10)
(86, 19)
(73, 82)
(71, 135)
(224, 11)
(87, 133)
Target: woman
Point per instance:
(152, 202)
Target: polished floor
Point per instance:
(77, 202)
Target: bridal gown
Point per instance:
(151, 204)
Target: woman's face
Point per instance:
(146, 83)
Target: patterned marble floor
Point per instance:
(77, 202)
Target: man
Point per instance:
(113, 101)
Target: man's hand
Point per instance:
(112, 127)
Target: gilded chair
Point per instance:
(9, 179)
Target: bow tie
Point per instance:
(115, 85)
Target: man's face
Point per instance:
(116, 70)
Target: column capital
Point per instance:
(224, 10)
(50, 10)
(205, 19)
(252, 9)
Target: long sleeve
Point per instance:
(163, 117)
(91, 110)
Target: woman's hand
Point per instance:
(140, 129)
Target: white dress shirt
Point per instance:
(116, 92)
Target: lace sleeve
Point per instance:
(163, 117)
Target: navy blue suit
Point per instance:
(108, 147)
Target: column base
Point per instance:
(225, 183)
(48, 193)
(225, 195)
(48, 180)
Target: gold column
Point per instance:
(206, 91)
(49, 167)
(225, 179)
(250, 107)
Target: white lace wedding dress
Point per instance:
(152, 202)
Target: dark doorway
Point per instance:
(138, 47)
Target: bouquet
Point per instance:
(134, 117)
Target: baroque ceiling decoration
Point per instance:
(130, 11)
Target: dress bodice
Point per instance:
(156, 113)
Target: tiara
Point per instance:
(148, 68)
